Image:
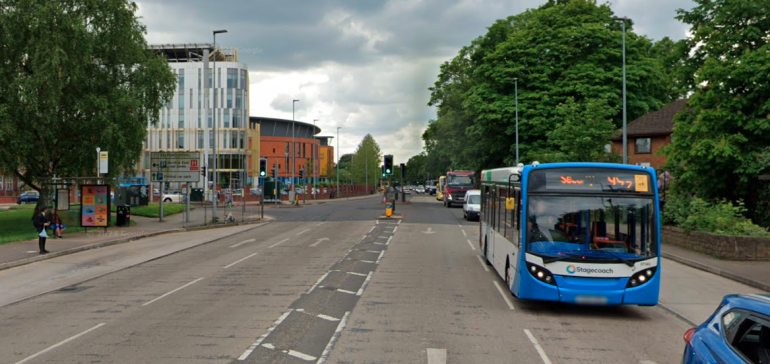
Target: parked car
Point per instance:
(256, 191)
(28, 197)
(420, 190)
(472, 205)
(737, 332)
(176, 197)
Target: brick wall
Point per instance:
(721, 246)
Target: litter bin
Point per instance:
(124, 216)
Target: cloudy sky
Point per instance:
(362, 65)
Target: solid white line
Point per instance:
(382, 237)
(370, 230)
(193, 282)
(482, 263)
(282, 241)
(232, 264)
(303, 231)
(471, 244)
(345, 291)
(538, 347)
(505, 296)
(357, 274)
(367, 261)
(464, 234)
(373, 251)
(389, 239)
(302, 356)
(436, 356)
(335, 337)
(379, 259)
(328, 318)
(321, 224)
(394, 230)
(366, 283)
(33, 356)
(399, 222)
(318, 282)
(374, 244)
(261, 338)
(243, 242)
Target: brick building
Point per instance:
(648, 134)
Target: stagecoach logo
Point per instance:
(571, 269)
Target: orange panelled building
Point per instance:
(276, 145)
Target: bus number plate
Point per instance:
(591, 300)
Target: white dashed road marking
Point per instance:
(232, 264)
(33, 356)
(243, 242)
(188, 284)
(538, 347)
(505, 296)
(436, 356)
(261, 338)
(471, 244)
(280, 242)
(483, 265)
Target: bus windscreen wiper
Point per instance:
(619, 258)
(566, 256)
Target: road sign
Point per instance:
(175, 166)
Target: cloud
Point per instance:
(364, 66)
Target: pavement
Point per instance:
(753, 274)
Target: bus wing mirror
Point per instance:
(510, 203)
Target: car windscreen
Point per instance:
(474, 199)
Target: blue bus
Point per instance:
(583, 233)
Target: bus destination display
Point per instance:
(595, 180)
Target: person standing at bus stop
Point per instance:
(40, 222)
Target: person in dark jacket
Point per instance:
(56, 224)
(40, 221)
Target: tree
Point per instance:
(583, 132)
(75, 75)
(367, 158)
(719, 137)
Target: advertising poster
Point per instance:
(95, 206)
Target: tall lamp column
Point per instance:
(214, 111)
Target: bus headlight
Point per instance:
(542, 274)
(641, 278)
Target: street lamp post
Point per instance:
(314, 158)
(214, 111)
(625, 136)
(338, 159)
(516, 102)
(293, 151)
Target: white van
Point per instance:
(472, 205)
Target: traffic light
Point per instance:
(389, 164)
(272, 173)
(203, 171)
(262, 167)
(302, 173)
(403, 170)
(382, 169)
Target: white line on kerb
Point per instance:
(345, 291)
(379, 259)
(193, 282)
(33, 356)
(318, 282)
(370, 230)
(471, 244)
(268, 346)
(261, 338)
(302, 356)
(232, 264)
(505, 296)
(335, 337)
(537, 347)
(280, 242)
(389, 239)
(484, 265)
(394, 230)
(436, 356)
(367, 261)
(303, 231)
(243, 242)
(327, 318)
(357, 274)
(366, 283)
(464, 234)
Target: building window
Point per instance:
(239, 99)
(227, 119)
(211, 139)
(181, 100)
(181, 80)
(229, 99)
(243, 80)
(168, 139)
(191, 98)
(232, 78)
(200, 95)
(643, 145)
(181, 120)
(199, 120)
(200, 139)
(234, 140)
(236, 119)
(243, 136)
(208, 116)
(146, 160)
(180, 139)
(273, 150)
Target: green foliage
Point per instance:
(560, 53)
(366, 158)
(724, 217)
(16, 225)
(75, 75)
(726, 125)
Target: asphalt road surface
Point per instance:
(329, 283)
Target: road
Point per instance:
(325, 284)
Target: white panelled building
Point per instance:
(186, 123)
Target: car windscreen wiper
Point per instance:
(619, 258)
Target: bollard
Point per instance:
(389, 210)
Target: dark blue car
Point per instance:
(28, 197)
(737, 332)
